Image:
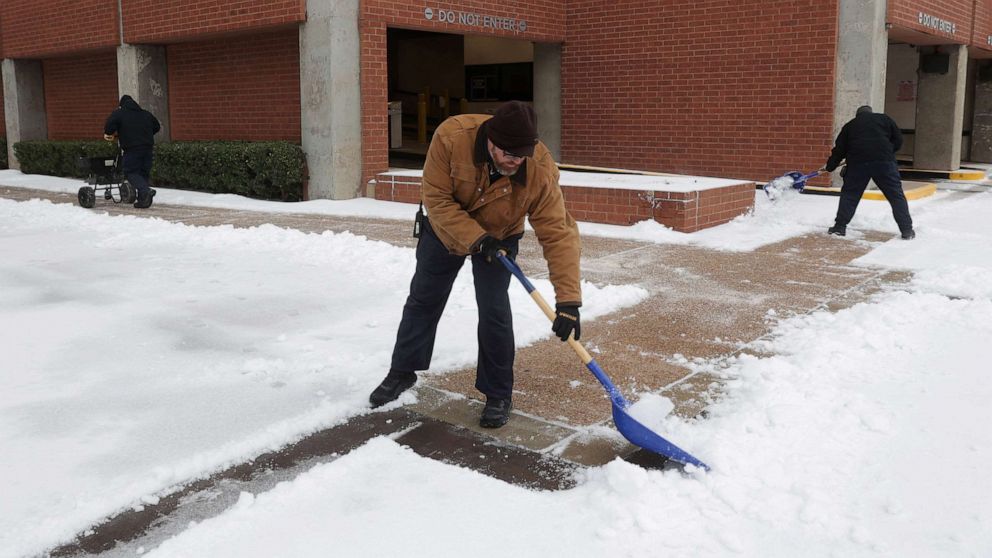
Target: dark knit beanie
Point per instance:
(513, 128)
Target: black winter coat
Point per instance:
(135, 127)
(869, 137)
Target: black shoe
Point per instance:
(144, 202)
(836, 230)
(396, 382)
(496, 413)
(908, 234)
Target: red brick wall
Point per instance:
(906, 13)
(732, 88)
(544, 22)
(47, 28)
(240, 88)
(982, 25)
(163, 21)
(682, 211)
(80, 93)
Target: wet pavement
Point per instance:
(702, 304)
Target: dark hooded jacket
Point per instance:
(135, 127)
(869, 137)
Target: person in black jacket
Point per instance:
(135, 129)
(869, 142)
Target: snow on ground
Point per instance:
(140, 353)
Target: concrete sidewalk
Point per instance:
(702, 303)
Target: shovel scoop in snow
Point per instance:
(634, 431)
(793, 180)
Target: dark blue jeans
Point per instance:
(138, 168)
(886, 176)
(429, 290)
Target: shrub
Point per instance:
(266, 170)
(58, 158)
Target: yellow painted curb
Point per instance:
(921, 191)
(967, 175)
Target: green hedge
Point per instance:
(3, 153)
(265, 170)
(58, 158)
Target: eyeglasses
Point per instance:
(513, 157)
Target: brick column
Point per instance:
(24, 104)
(547, 95)
(940, 113)
(143, 74)
(330, 99)
(862, 54)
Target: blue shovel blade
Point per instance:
(642, 436)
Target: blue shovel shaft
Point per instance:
(633, 430)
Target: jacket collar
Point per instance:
(481, 156)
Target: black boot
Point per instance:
(395, 383)
(908, 234)
(145, 201)
(496, 413)
(837, 230)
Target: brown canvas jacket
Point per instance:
(463, 206)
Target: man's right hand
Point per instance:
(489, 247)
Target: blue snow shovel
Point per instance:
(637, 433)
(798, 182)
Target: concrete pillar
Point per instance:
(24, 104)
(547, 95)
(331, 94)
(862, 52)
(940, 113)
(143, 74)
(981, 128)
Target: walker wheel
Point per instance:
(87, 197)
(128, 194)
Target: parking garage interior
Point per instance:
(432, 76)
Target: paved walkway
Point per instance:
(702, 304)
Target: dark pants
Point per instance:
(886, 176)
(429, 290)
(138, 168)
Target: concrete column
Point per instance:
(547, 95)
(142, 73)
(981, 128)
(940, 113)
(24, 104)
(862, 52)
(331, 94)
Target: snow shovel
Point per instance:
(793, 179)
(634, 431)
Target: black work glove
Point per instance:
(489, 247)
(566, 321)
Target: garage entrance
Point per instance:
(432, 76)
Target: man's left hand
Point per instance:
(566, 321)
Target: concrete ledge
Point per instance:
(913, 191)
(683, 203)
(959, 174)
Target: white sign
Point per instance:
(473, 19)
(934, 22)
